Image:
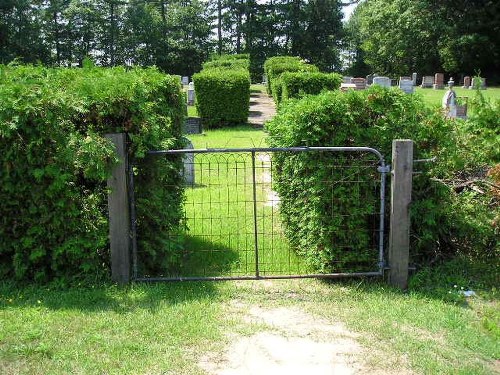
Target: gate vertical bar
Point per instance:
(133, 218)
(383, 169)
(255, 226)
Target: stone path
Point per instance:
(262, 109)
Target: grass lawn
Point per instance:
(170, 328)
(434, 97)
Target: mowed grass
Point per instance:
(170, 328)
(220, 239)
(434, 98)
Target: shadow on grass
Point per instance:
(445, 282)
(136, 296)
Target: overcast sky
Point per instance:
(348, 11)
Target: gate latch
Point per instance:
(384, 169)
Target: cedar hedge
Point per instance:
(275, 66)
(55, 163)
(223, 92)
(296, 84)
(373, 117)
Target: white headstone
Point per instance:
(185, 80)
(347, 79)
(382, 81)
(188, 161)
(406, 85)
(190, 94)
(414, 79)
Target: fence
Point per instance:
(233, 228)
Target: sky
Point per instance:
(348, 11)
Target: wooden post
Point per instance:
(119, 217)
(399, 234)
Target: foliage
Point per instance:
(227, 64)
(296, 85)
(442, 223)
(222, 96)
(277, 65)
(56, 161)
(398, 37)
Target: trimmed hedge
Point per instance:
(55, 163)
(275, 66)
(372, 117)
(223, 91)
(296, 84)
(227, 64)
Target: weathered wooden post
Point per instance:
(399, 234)
(119, 217)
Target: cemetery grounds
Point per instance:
(356, 326)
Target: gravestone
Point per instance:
(188, 162)
(190, 94)
(359, 82)
(185, 80)
(462, 107)
(427, 82)
(406, 85)
(405, 78)
(346, 79)
(466, 82)
(449, 101)
(438, 81)
(192, 125)
(382, 81)
(414, 79)
(369, 79)
(475, 83)
(264, 79)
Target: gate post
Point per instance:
(118, 211)
(399, 234)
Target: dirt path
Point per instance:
(293, 343)
(262, 109)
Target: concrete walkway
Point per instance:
(262, 109)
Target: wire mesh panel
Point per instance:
(273, 213)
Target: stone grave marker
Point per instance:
(414, 78)
(466, 82)
(190, 94)
(438, 81)
(406, 85)
(475, 82)
(382, 81)
(369, 79)
(359, 82)
(192, 125)
(188, 162)
(427, 82)
(185, 80)
(346, 79)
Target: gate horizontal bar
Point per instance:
(344, 275)
(268, 149)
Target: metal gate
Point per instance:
(233, 225)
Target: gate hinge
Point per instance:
(384, 169)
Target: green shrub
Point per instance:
(233, 64)
(55, 163)
(372, 117)
(297, 84)
(222, 96)
(277, 65)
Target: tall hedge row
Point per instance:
(223, 92)
(298, 84)
(55, 162)
(275, 66)
(372, 117)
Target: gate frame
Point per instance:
(122, 257)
